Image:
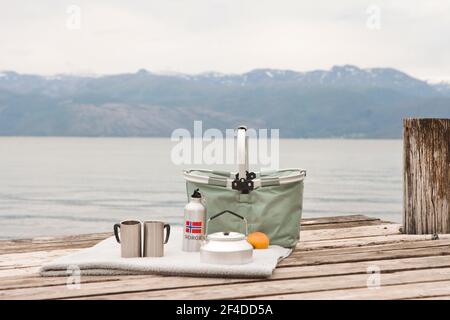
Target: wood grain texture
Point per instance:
(390, 292)
(426, 178)
(136, 285)
(289, 286)
(52, 243)
(348, 233)
(329, 262)
(35, 281)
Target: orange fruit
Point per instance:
(259, 240)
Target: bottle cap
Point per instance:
(196, 194)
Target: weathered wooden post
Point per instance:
(426, 176)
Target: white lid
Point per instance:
(226, 236)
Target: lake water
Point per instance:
(60, 186)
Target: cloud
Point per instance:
(226, 35)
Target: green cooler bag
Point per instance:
(271, 203)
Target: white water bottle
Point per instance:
(194, 223)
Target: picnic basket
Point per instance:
(270, 201)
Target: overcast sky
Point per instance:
(193, 36)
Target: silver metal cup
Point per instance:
(154, 239)
(130, 238)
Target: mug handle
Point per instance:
(167, 227)
(116, 231)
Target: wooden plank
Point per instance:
(336, 256)
(297, 259)
(336, 219)
(391, 292)
(124, 285)
(33, 281)
(306, 236)
(22, 271)
(348, 233)
(50, 246)
(57, 240)
(15, 260)
(280, 273)
(365, 241)
(343, 225)
(361, 267)
(282, 287)
(445, 297)
(377, 247)
(87, 240)
(23, 264)
(35, 259)
(314, 245)
(145, 283)
(84, 241)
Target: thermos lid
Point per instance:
(226, 236)
(196, 194)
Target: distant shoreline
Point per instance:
(165, 137)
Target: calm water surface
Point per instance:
(56, 186)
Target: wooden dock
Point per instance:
(345, 257)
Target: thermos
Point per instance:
(194, 223)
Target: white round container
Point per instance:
(226, 248)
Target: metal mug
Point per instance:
(130, 238)
(154, 240)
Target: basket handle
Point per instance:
(242, 151)
(230, 212)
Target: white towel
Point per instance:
(104, 259)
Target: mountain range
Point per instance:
(345, 101)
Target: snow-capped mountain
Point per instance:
(346, 75)
(345, 101)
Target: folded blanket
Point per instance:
(104, 259)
